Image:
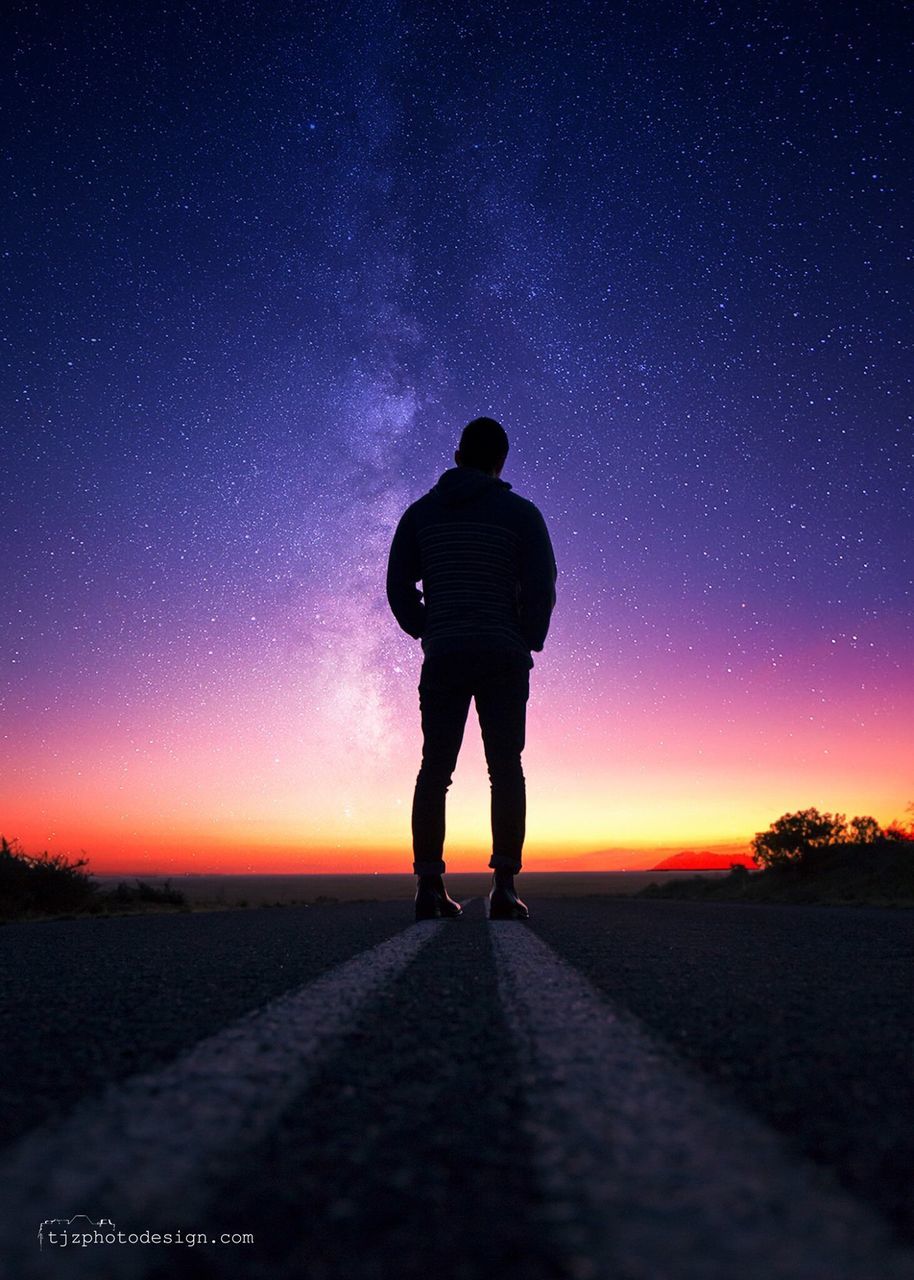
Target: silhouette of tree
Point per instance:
(866, 830)
(788, 837)
(898, 831)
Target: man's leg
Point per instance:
(501, 703)
(444, 700)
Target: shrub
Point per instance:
(124, 894)
(41, 883)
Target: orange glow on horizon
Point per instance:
(286, 773)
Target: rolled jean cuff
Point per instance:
(508, 864)
(433, 868)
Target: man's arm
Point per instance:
(403, 572)
(537, 582)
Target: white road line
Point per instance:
(146, 1151)
(648, 1173)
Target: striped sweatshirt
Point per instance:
(485, 560)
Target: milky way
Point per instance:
(261, 264)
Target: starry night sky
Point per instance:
(260, 265)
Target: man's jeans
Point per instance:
(500, 683)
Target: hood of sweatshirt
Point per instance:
(462, 484)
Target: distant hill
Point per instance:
(692, 861)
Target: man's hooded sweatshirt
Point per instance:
(483, 555)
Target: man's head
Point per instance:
(483, 445)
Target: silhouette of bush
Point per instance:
(126, 895)
(41, 883)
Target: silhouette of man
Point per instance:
(488, 576)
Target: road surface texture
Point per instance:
(626, 1089)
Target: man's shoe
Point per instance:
(504, 904)
(433, 901)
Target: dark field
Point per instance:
(261, 890)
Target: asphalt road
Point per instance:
(87, 1002)
(803, 1014)
(625, 1088)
